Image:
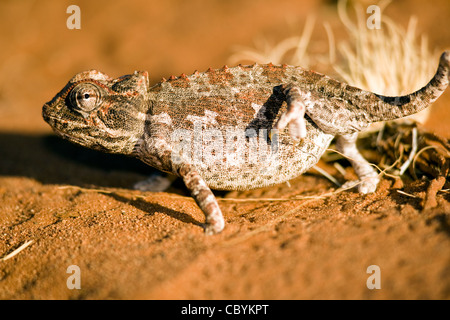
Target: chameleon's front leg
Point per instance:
(205, 199)
(157, 152)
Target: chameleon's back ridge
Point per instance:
(232, 128)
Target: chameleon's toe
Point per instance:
(282, 122)
(296, 123)
(297, 128)
(295, 113)
(214, 226)
(368, 185)
(365, 185)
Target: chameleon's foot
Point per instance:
(294, 115)
(365, 185)
(156, 182)
(214, 225)
(368, 184)
(368, 177)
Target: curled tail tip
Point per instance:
(445, 58)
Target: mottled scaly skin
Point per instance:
(241, 98)
(211, 128)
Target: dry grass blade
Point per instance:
(407, 194)
(327, 175)
(412, 154)
(292, 50)
(19, 249)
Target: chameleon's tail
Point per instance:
(383, 108)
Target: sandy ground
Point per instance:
(137, 245)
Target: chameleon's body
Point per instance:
(214, 129)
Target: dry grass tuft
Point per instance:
(390, 61)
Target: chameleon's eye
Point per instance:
(85, 97)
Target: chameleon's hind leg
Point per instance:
(368, 177)
(295, 113)
(346, 143)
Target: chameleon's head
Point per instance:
(99, 112)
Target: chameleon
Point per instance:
(233, 128)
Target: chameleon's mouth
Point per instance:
(48, 116)
(53, 122)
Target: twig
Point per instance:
(327, 175)
(339, 168)
(407, 194)
(418, 154)
(12, 254)
(412, 154)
